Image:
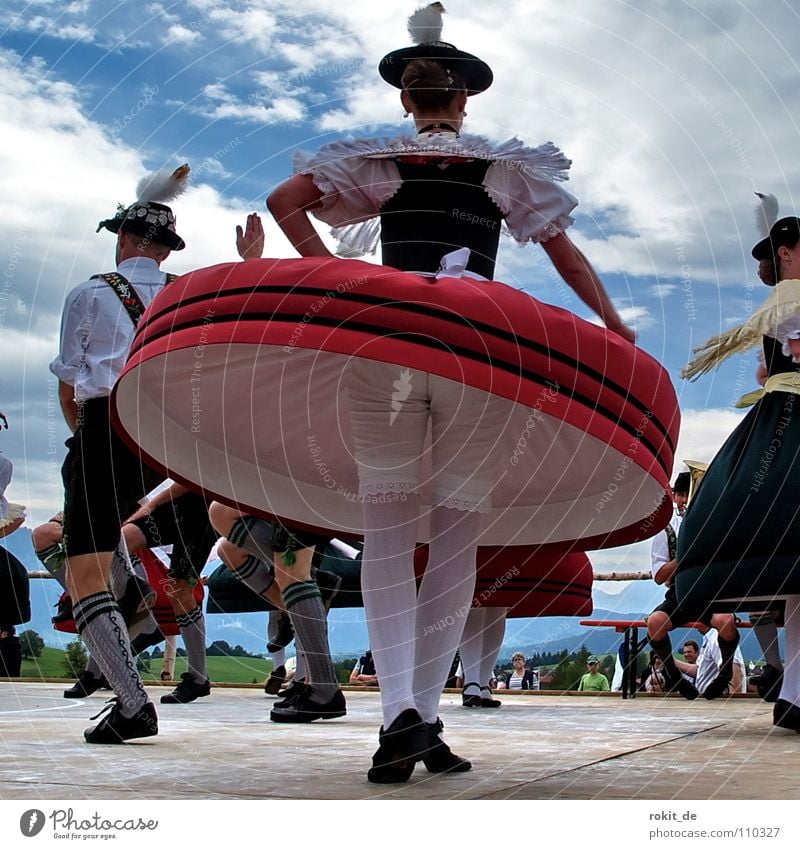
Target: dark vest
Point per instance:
(438, 209)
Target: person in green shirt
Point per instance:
(594, 679)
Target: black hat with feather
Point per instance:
(149, 216)
(425, 27)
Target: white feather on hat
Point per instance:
(425, 25)
(163, 186)
(766, 213)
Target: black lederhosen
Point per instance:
(106, 482)
(682, 614)
(182, 523)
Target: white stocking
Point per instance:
(445, 598)
(390, 598)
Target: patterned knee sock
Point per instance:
(254, 535)
(101, 627)
(304, 605)
(255, 574)
(193, 632)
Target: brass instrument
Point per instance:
(697, 468)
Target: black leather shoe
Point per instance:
(487, 701)
(291, 692)
(439, 758)
(114, 728)
(718, 687)
(137, 600)
(402, 744)
(471, 701)
(283, 637)
(302, 709)
(275, 681)
(768, 683)
(146, 641)
(187, 691)
(786, 715)
(674, 682)
(329, 584)
(85, 686)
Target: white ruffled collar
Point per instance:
(546, 160)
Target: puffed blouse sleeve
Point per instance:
(534, 205)
(354, 189)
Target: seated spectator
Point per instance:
(593, 680)
(701, 668)
(653, 677)
(364, 671)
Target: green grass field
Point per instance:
(234, 670)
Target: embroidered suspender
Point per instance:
(672, 542)
(126, 293)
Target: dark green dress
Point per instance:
(739, 544)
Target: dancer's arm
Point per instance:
(289, 204)
(577, 271)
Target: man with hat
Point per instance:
(670, 614)
(105, 479)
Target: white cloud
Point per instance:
(222, 104)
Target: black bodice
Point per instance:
(777, 362)
(439, 208)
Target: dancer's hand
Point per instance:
(250, 242)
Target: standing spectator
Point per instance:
(521, 677)
(593, 680)
(10, 652)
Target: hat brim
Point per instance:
(762, 249)
(162, 235)
(475, 72)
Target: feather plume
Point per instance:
(766, 213)
(425, 25)
(163, 186)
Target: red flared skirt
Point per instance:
(235, 385)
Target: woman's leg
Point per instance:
(390, 597)
(445, 599)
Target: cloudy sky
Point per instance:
(673, 112)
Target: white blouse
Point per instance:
(357, 178)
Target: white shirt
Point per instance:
(97, 332)
(710, 659)
(9, 512)
(659, 547)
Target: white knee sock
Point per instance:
(471, 650)
(390, 598)
(445, 599)
(790, 691)
(493, 633)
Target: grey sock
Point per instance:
(120, 570)
(53, 559)
(193, 632)
(309, 620)
(767, 636)
(101, 627)
(254, 535)
(255, 574)
(300, 660)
